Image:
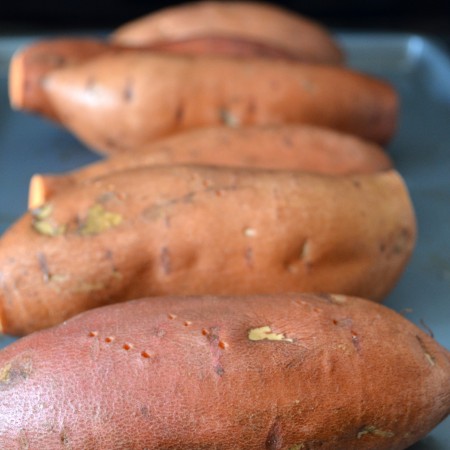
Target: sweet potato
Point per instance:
(285, 372)
(305, 148)
(31, 64)
(251, 21)
(126, 100)
(197, 230)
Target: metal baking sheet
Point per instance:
(418, 67)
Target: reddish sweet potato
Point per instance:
(274, 372)
(253, 21)
(197, 230)
(126, 100)
(305, 148)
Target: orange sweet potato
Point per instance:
(250, 21)
(289, 147)
(126, 100)
(278, 372)
(197, 230)
(31, 64)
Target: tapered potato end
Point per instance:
(30, 66)
(16, 83)
(39, 191)
(43, 187)
(25, 80)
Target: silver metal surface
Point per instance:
(420, 71)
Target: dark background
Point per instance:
(430, 16)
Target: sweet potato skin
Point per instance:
(252, 21)
(283, 147)
(126, 100)
(264, 372)
(166, 230)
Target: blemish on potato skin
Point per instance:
(250, 232)
(337, 299)
(42, 223)
(64, 439)
(111, 143)
(115, 273)
(24, 443)
(5, 372)
(305, 252)
(374, 431)
(160, 210)
(146, 354)
(355, 341)
(48, 228)
(429, 357)
(397, 244)
(128, 91)
(428, 330)
(85, 286)
(43, 266)
(301, 260)
(401, 241)
(15, 372)
(297, 447)
(98, 220)
(42, 212)
(266, 333)
(107, 196)
(179, 113)
(222, 344)
(274, 440)
(228, 118)
(165, 260)
(216, 347)
(128, 347)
